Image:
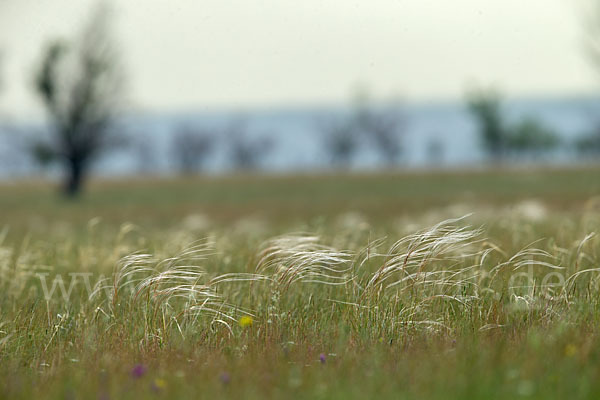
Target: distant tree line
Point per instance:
(192, 145)
(380, 126)
(80, 84)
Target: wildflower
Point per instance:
(159, 385)
(245, 321)
(322, 358)
(138, 371)
(570, 350)
(225, 378)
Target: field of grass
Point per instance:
(482, 284)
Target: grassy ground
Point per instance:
(197, 288)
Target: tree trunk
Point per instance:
(74, 178)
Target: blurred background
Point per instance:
(138, 88)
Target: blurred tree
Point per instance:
(383, 125)
(529, 136)
(246, 152)
(485, 106)
(589, 145)
(340, 141)
(79, 84)
(378, 124)
(190, 148)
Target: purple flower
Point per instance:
(322, 358)
(225, 378)
(138, 371)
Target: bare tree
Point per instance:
(246, 152)
(190, 148)
(340, 139)
(378, 124)
(79, 84)
(384, 126)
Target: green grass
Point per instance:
(351, 311)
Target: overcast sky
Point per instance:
(192, 54)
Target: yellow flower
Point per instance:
(570, 350)
(245, 321)
(160, 384)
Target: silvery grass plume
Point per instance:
(301, 258)
(414, 272)
(172, 291)
(591, 270)
(427, 259)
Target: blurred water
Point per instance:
(435, 135)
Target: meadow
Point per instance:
(463, 284)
